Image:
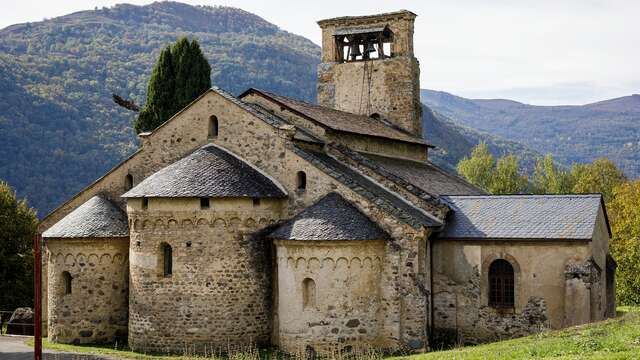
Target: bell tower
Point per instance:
(368, 68)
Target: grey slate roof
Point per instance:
(426, 176)
(571, 217)
(210, 171)
(340, 120)
(331, 218)
(374, 192)
(98, 217)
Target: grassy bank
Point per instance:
(617, 338)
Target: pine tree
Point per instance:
(181, 74)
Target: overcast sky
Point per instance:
(540, 52)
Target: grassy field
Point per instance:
(617, 338)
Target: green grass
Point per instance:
(617, 338)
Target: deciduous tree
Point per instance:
(18, 225)
(624, 216)
(478, 167)
(506, 177)
(548, 178)
(600, 176)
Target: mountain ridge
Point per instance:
(572, 133)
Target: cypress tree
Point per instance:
(181, 74)
(192, 70)
(160, 95)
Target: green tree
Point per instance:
(624, 216)
(18, 225)
(549, 179)
(506, 177)
(478, 167)
(181, 74)
(160, 104)
(192, 72)
(601, 176)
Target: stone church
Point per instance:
(261, 220)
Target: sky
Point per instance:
(542, 52)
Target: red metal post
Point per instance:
(37, 292)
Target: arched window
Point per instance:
(167, 260)
(308, 294)
(66, 282)
(501, 284)
(213, 126)
(128, 182)
(301, 180)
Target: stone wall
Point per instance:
(460, 281)
(391, 89)
(96, 309)
(344, 313)
(218, 296)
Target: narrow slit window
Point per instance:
(213, 126)
(204, 203)
(256, 202)
(145, 203)
(501, 284)
(167, 257)
(128, 182)
(301, 180)
(66, 282)
(308, 294)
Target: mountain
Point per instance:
(608, 128)
(61, 130)
(453, 142)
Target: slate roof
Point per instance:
(331, 218)
(535, 217)
(369, 189)
(210, 171)
(426, 176)
(341, 120)
(96, 218)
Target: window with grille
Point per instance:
(501, 284)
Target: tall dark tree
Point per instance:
(18, 224)
(160, 94)
(181, 74)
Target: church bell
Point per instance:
(369, 49)
(355, 51)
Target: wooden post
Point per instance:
(37, 292)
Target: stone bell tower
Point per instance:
(368, 68)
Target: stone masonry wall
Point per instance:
(218, 296)
(345, 314)
(96, 309)
(460, 283)
(405, 288)
(390, 89)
